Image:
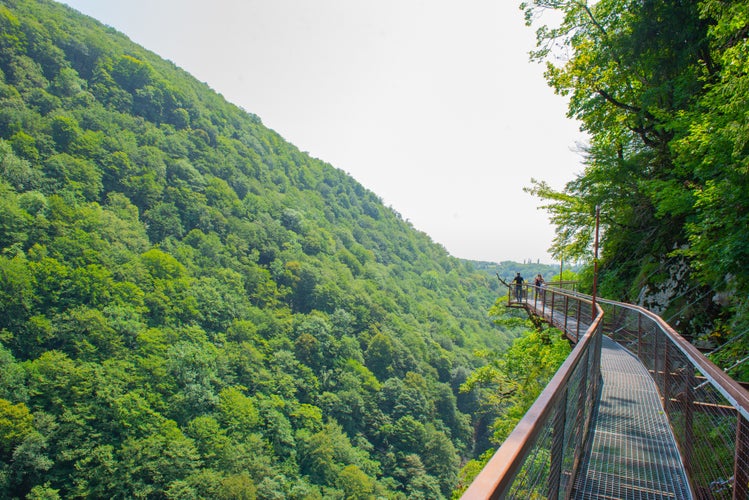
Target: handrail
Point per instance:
(558, 421)
(708, 411)
(731, 389)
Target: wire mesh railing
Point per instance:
(707, 410)
(539, 459)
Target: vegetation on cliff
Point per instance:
(661, 89)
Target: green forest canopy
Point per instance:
(193, 308)
(661, 88)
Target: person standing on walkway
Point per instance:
(539, 284)
(518, 287)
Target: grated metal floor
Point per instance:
(633, 455)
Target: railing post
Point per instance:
(741, 459)
(597, 362)
(567, 415)
(639, 337)
(582, 397)
(666, 378)
(655, 355)
(553, 297)
(543, 302)
(557, 448)
(595, 266)
(688, 444)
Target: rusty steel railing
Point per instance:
(539, 459)
(707, 410)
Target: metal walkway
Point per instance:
(607, 424)
(633, 454)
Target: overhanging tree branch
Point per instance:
(609, 98)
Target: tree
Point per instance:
(15, 426)
(15, 224)
(626, 86)
(132, 73)
(23, 449)
(713, 148)
(194, 308)
(43, 492)
(65, 130)
(17, 291)
(149, 465)
(441, 459)
(163, 221)
(17, 171)
(387, 357)
(657, 85)
(238, 486)
(511, 382)
(356, 485)
(324, 455)
(238, 412)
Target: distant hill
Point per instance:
(507, 269)
(193, 308)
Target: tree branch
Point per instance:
(616, 102)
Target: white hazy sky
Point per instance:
(431, 104)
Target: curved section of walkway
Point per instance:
(633, 454)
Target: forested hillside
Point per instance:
(506, 270)
(662, 89)
(190, 307)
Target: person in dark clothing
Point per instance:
(518, 287)
(539, 284)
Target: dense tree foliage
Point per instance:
(508, 384)
(660, 88)
(193, 308)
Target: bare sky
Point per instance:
(431, 104)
